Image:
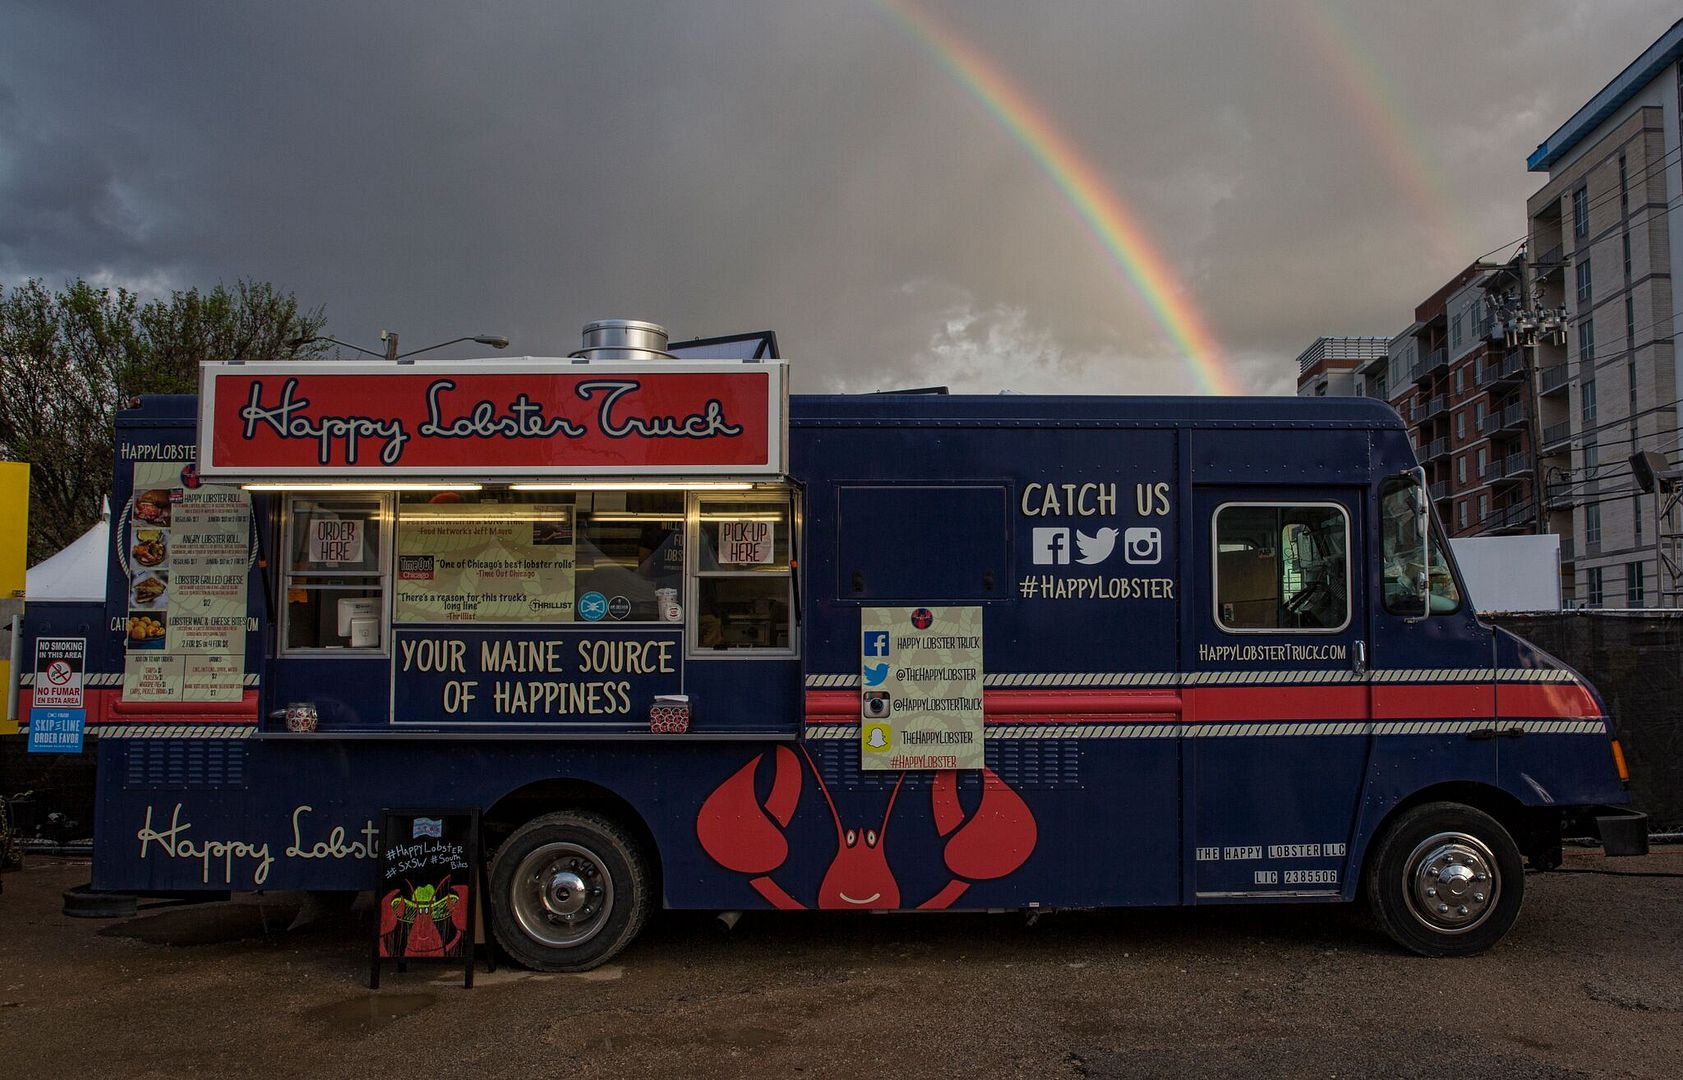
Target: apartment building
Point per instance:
(1461, 390)
(1601, 236)
(1327, 368)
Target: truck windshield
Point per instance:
(1400, 551)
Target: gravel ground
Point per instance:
(1589, 983)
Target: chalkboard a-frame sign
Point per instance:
(428, 884)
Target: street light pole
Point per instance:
(496, 341)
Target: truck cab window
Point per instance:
(334, 586)
(1400, 555)
(744, 574)
(1282, 568)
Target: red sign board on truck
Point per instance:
(510, 418)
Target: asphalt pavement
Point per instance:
(1589, 983)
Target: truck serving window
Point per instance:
(335, 574)
(1282, 568)
(1400, 555)
(744, 585)
(510, 557)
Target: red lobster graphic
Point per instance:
(741, 835)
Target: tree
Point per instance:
(69, 359)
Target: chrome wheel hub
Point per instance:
(561, 895)
(1452, 883)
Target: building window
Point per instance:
(1634, 591)
(1479, 413)
(1587, 393)
(1580, 212)
(1461, 470)
(1627, 256)
(1461, 425)
(1592, 456)
(1583, 282)
(1636, 516)
(1593, 594)
(1630, 323)
(1460, 380)
(1483, 507)
(1483, 461)
(1630, 376)
(1592, 523)
(1461, 513)
(1455, 332)
(1624, 188)
(1586, 340)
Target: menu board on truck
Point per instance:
(920, 684)
(485, 563)
(188, 553)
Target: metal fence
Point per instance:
(1635, 659)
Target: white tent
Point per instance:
(77, 572)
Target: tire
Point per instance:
(1445, 880)
(568, 891)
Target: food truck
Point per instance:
(685, 640)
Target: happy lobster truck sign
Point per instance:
(489, 420)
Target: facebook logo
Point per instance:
(876, 643)
(1051, 547)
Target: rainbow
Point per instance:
(1404, 149)
(1117, 228)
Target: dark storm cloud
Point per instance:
(524, 167)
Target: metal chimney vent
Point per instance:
(624, 339)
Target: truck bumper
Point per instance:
(1621, 831)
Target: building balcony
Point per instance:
(1506, 369)
(1515, 517)
(1557, 436)
(1435, 449)
(1561, 496)
(1554, 380)
(1553, 262)
(1514, 416)
(1516, 465)
(1436, 406)
(1417, 412)
(1567, 552)
(1440, 490)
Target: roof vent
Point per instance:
(624, 339)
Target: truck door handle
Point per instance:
(1482, 733)
(1513, 732)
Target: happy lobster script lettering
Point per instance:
(290, 417)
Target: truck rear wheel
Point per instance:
(1445, 880)
(568, 891)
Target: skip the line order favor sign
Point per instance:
(920, 680)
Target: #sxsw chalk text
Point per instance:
(288, 417)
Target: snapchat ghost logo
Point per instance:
(878, 738)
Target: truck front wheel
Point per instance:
(568, 891)
(1445, 880)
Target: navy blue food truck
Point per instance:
(685, 640)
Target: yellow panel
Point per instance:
(14, 547)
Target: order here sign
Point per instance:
(531, 418)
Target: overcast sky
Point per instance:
(522, 168)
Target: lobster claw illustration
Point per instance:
(742, 835)
(994, 841)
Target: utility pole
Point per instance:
(1526, 323)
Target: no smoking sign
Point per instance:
(58, 672)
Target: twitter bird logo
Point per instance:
(1095, 549)
(875, 674)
